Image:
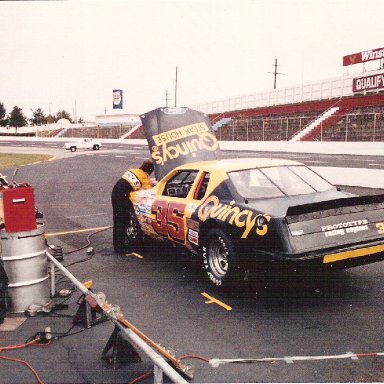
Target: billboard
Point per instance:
(117, 99)
(178, 136)
(368, 83)
(362, 57)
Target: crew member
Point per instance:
(3, 292)
(132, 180)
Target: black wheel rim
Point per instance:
(218, 257)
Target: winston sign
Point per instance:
(362, 57)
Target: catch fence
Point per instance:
(349, 127)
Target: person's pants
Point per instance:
(121, 207)
(3, 293)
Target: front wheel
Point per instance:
(95, 147)
(73, 149)
(220, 259)
(133, 234)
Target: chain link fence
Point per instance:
(350, 127)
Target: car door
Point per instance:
(174, 204)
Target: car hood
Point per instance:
(178, 136)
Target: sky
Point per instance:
(70, 55)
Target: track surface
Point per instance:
(161, 293)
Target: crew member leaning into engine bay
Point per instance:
(132, 180)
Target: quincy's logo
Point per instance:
(212, 208)
(205, 141)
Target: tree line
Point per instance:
(16, 117)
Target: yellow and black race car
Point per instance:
(236, 213)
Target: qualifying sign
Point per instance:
(368, 83)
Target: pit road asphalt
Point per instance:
(161, 293)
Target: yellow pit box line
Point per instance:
(351, 254)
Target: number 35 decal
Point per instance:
(169, 219)
(380, 228)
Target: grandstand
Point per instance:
(354, 118)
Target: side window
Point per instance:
(202, 187)
(180, 184)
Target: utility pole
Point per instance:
(167, 98)
(176, 89)
(275, 73)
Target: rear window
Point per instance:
(277, 182)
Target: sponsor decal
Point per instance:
(193, 236)
(193, 224)
(132, 179)
(362, 57)
(180, 133)
(205, 141)
(117, 99)
(368, 83)
(230, 213)
(175, 110)
(340, 229)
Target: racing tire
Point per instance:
(96, 147)
(133, 233)
(220, 259)
(73, 149)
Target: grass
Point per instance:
(12, 160)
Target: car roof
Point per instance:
(230, 165)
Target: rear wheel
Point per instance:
(95, 147)
(220, 259)
(73, 149)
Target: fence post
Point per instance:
(233, 131)
(346, 128)
(263, 128)
(286, 132)
(374, 126)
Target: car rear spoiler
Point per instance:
(334, 207)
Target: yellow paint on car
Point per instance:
(354, 253)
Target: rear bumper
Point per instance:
(345, 257)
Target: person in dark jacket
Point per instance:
(132, 180)
(3, 293)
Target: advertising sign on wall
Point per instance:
(368, 83)
(362, 57)
(117, 99)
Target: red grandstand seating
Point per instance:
(300, 111)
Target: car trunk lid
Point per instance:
(335, 223)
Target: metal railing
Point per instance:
(160, 364)
(312, 91)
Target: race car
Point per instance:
(236, 214)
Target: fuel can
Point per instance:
(17, 209)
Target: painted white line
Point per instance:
(90, 215)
